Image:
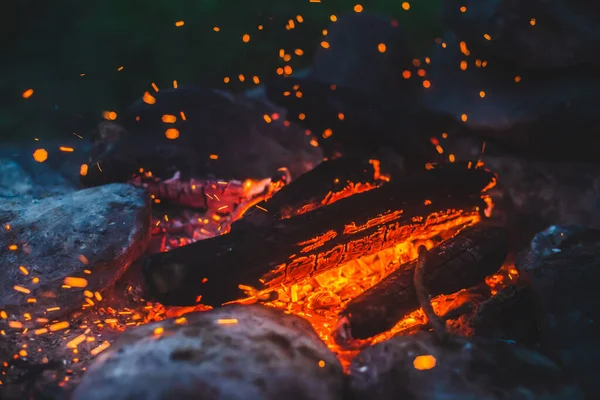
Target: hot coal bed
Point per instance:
(366, 232)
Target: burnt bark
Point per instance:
(321, 186)
(457, 263)
(290, 249)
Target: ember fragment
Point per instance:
(277, 253)
(266, 355)
(455, 264)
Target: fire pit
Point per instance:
(333, 241)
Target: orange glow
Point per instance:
(406, 74)
(487, 37)
(216, 29)
(463, 117)
(532, 22)
(246, 38)
(40, 155)
(227, 321)
(172, 133)
(482, 94)
(59, 326)
(333, 18)
(517, 79)
(179, 23)
(381, 47)
(21, 289)
(406, 6)
(75, 282)
(325, 44)
(358, 8)
(169, 119)
(423, 363)
(28, 93)
(463, 9)
(15, 324)
(159, 330)
(105, 345)
(148, 98)
(463, 65)
(109, 115)
(66, 149)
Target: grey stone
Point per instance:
(458, 368)
(14, 181)
(21, 175)
(562, 266)
(101, 230)
(266, 354)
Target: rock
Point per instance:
(234, 352)
(562, 266)
(537, 34)
(537, 194)
(508, 315)
(14, 181)
(21, 175)
(101, 230)
(230, 129)
(420, 367)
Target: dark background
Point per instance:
(47, 45)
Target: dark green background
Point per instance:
(49, 43)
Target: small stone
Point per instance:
(420, 367)
(48, 243)
(234, 352)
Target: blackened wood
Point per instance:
(290, 249)
(322, 185)
(455, 264)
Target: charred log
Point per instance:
(325, 184)
(290, 249)
(457, 263)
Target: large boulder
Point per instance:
(201, 134)
(234, 352)
(84, 239)
(562, 266)
(423, 367)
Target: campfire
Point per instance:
(322, 237)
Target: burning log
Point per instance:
(328, 182)
(460, 262)
(285, 251)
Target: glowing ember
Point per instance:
(424, 362)
(40, 155)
